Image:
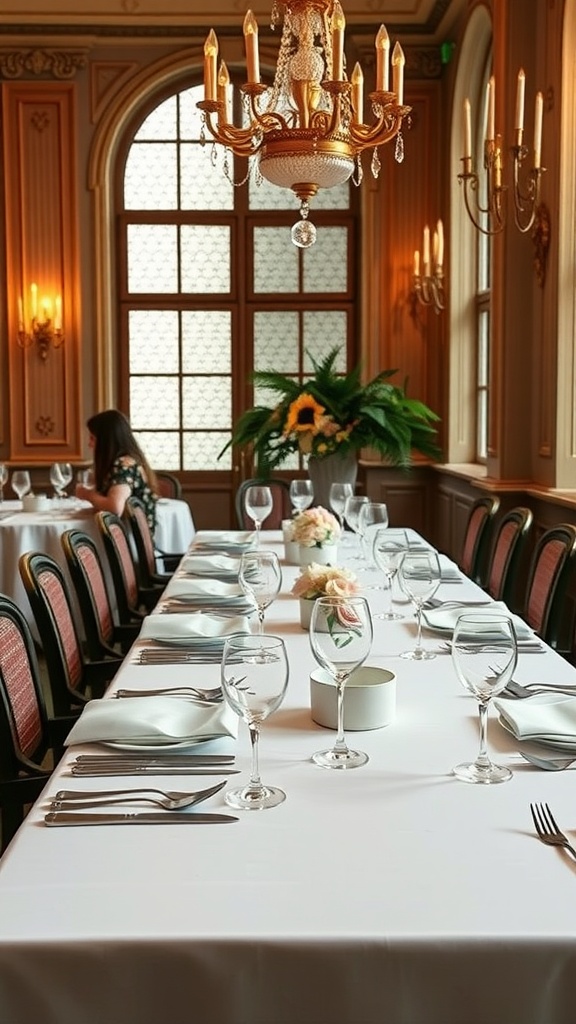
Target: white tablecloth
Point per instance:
(391, 894)
(21, 532)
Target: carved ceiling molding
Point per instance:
(61, 64)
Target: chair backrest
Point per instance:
(23, 717)
(477, 537)
(168, 485)
(52, 607)
(551, 571)
(281, 503)
(509, 543)
(122, 565)
(87, 573)
(144, 541)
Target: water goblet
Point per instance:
(352, 514)
(341, 638)
(301, 494)
(254, 677)
(258, 504)
(56, 479)
(66, 474)
(372, 517)
(3, 479)
(484, 654)
(260, 577)
(339, 493)
(419, 574)
(21, 482)
(388, 549)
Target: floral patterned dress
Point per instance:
(132, 475)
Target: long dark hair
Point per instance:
(114, 438)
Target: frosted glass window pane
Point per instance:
(161, 450)
(276, 338)
(207, 402)
(265, 196)
(204, 187)
(275, 261)
(325, 263)
(201, 451)
(205, 258)
(206, 341)
(154, 403)
(151, 180)
(190, 116)
(322, 332)
(152, 258)
(153, 335)
(160, 123)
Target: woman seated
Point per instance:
(120, 467)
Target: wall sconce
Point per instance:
(42, 330)
(428, 287)
(527, 195)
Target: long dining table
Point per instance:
(388, 894)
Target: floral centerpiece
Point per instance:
(315, 527)
(317, 581)
(331, 413)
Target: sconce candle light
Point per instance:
(43, 329)
(428, 286)
(527, 195)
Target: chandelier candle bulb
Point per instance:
(223, 94)
(440, 253)
(58, 313)
(251, 43)
(426, 251)
(519, 119)
(20, 314)
(416, 263)
(338, 26)
(490, 104)
(358, 93)
(467, 131)
(382, 60)
(34, 301)
(539, 109)
(210, 58)
(398, 62)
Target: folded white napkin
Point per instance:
(546, 717)
(195, 626)
(206, 565)
(151, 720)
(212, 590)
(444, 619)
(235, 540)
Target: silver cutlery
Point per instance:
(524, 647)
(437, 602)
(168, 758)
(72, 799)
(547, 829)
(132, 768)
(514, 689)
(212, 696)
(549, 764)
(54, 818)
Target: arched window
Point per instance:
(211, 286)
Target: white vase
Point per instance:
(327, 554)
(334, 469)
(306, 606)
(291, 549)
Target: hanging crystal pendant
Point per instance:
(376, 165)
(399, 148)
(303, 232)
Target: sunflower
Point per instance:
(304, 414)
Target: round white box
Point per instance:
(369, 698)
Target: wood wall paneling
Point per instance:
(41, 244)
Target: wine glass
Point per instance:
(66, 476)
(260, 577)
(258, 504)
(373, 516)
(21, 482)
(352, 512)
(301, 494)
(388, 549)
(339, 493)
(254, 677)
(57, 480)
(341, 638)
(3, 479)
(419, 576)
(484, 654)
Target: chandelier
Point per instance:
(306, 131)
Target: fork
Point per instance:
(547, 828)
(170, 801)
(199, 696)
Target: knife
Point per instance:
(193, 759)
(136, 818)
(122, 768)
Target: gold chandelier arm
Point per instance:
(389, 122)
(525, 203)
(469, 179)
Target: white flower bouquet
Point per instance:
(315, 527)
(325, 581)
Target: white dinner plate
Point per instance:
(161, 748)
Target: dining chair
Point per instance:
(551, 576)
(503, 574)
(105, 636)
(29, 739)
(168, 485)
(477, 537)
(132, 599)
(281, 509)
(147, 570)
(74, 680)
